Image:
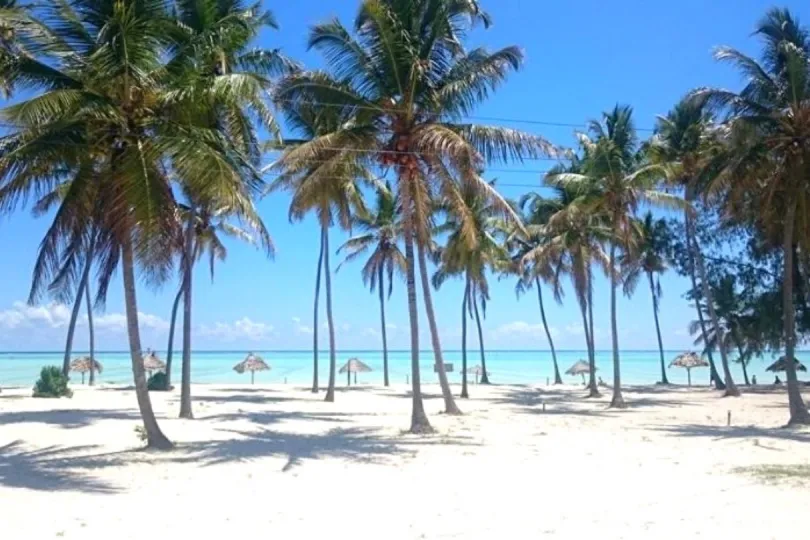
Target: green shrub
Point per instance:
(52, 384)
(157, 382)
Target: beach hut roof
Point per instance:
(475, 370)
(781, 365)
(579, 367)
(152, 363)
(689, 359)
(354, 365)
(252, 362)
(82, 365)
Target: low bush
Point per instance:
(52, 384)
(158, 383)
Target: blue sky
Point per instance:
(581, 58)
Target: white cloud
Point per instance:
(20, 315)
(117, 322)
(301, 328)
(296, 320)
(522, 329)
(370, 332)
(391, 326)
(574, 329)
(345, 327)
(240, 329)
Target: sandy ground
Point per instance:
(277, 462)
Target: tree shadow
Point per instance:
(360, 445)
(47, 469)
(267, 418)
(68, 419)
(256, 399)
(735, 432)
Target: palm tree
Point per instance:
(328, 188)
(683, 142)
(217, 56)
(730, 312)
(537, 210)
(574, 238)
(469, 251)
(119, 127)
(647, 258)
(771, 158)
(206, 230)
(382, 230)
(618, 184)
(405, 80)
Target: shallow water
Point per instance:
(295, 367)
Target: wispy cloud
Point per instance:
(241, 329)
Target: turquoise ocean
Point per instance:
(295, 367)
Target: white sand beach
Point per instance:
(277, 462)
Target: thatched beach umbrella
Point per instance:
(84, 365)
(354, 365)
(580, 367)
(251, 363)
(151, 363)
(689, 360)
(781, 365)
(477, 371)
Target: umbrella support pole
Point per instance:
(348, 378)
(252, 377)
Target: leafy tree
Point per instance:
(383, 229)
(769, 124)
(405, 80)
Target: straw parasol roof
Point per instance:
(252, 363)
(151, 362)
(781, 365)
(354, 365)
(84, 363)
(580, 367)
(688, 360)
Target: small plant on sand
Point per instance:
(140, 432)
(52, 383)
(158, 382)
(778, 474)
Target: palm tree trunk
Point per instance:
(798, 410)
(693, 253)
(170, 347)
(594, 390)
(74, 314)
(92, 335)
(464, 391)
(330, 390)
(484, 375)
(154, 436)
(419, 420)
(664, 379)
(742, 363)
(593, 387)
(315, 321)
(380, 281)
(188, 263)
(618, 400)
(450, 406)
(557, 377)
(731, 388)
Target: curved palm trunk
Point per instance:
(484, 375)
(617, 401)
(798, 410)
(693, 253)
(74, 314)
(154, 436)
(330, 391)
(315, 321)
(664, 379)
(464, 391)
(731, 388)
(170, 347)
(592, 386)
(92, 335)
(742, 363)
(557, 377)
(380, 280)
(419, 420)
(188, 262)
(450, 406)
